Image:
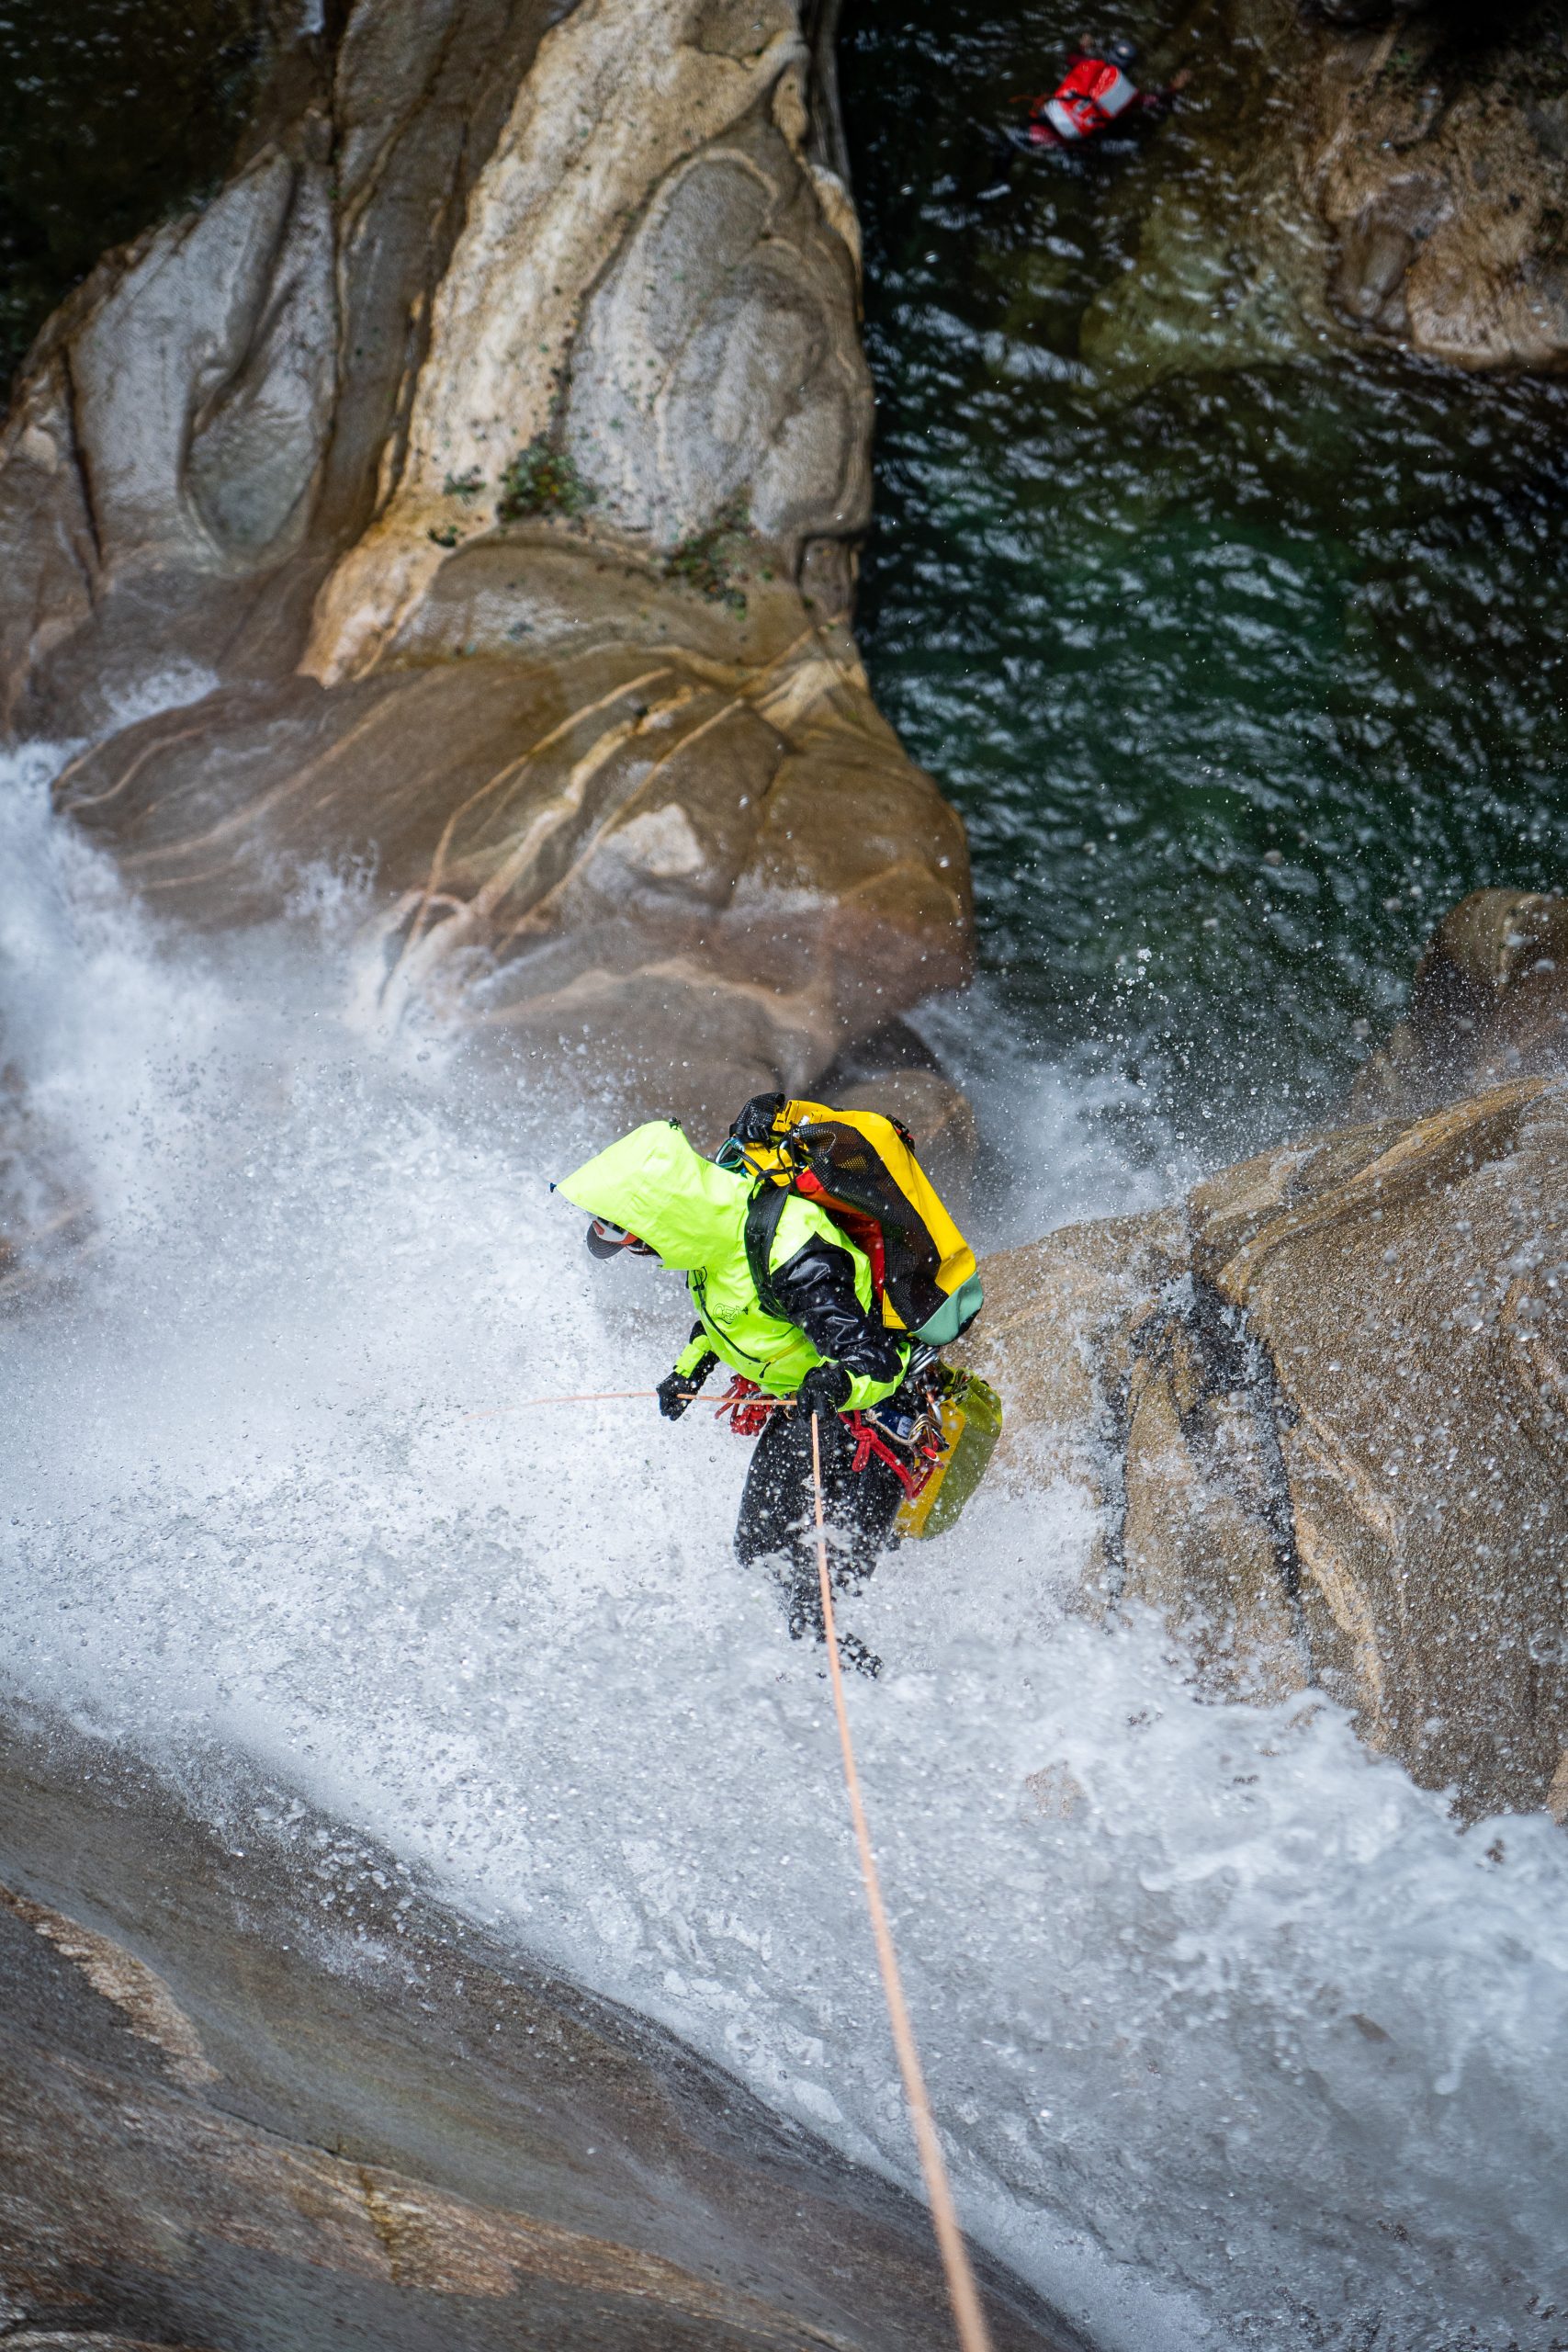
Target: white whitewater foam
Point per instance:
(1225, 2023)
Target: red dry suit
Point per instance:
(1091, 95)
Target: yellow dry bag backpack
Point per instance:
(861, 1168)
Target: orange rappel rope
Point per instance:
(968, 2317)
(594, 1397)
(602, 1396)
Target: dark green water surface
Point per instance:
(1243, 662)
(112, 114)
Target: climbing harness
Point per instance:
(969, 2318)
(911, 1460)
(939, 1454)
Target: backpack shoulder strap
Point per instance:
(763, 1212)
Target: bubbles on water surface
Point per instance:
(1244, 648)
(1224, 2021)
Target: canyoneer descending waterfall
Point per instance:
(827, 1275)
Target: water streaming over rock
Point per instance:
(1225, 2021)
(1233, 2037)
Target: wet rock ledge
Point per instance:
(261, 2094)
(1342, 170)
(1438, 155)
(474, 487)
(1321, 1405)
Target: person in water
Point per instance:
(785, 1299)
(1097, 92)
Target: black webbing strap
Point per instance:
(762, 1214)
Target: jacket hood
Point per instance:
(660, 1188)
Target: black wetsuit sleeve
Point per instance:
(817, 1290)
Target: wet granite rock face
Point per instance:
(472, 489)
(1438, 159)
(695, 873)
(646, 275)
(1344, 172)
(1320, 1406)
(262, 2095)
(1490, 1003)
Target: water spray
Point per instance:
(968, 2315)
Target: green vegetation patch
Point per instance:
(542, 480)
(707, 561)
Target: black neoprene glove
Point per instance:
(676, 1390)
(824, 1389)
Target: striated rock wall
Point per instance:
(653, 272)
(477, 481)
(262, 2095)
(201, 427)
(1323, 1407)
(1438, 155)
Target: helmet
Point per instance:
(1124, 53)
(607, 1240)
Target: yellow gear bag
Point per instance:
(861, 1168)
(969, 1413)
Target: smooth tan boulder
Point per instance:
(647, 273)
(1323, 1411)
(1440, 164)
(618, 853)
(269, 2096)
(1490, 1002)
(1338, 172)
(472, 487)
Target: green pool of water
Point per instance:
(113, 113)
(1240, 673)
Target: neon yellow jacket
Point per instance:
(694, 1214)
